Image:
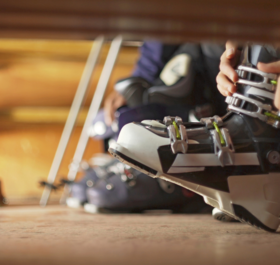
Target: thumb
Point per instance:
(231, 47)
(269, 67)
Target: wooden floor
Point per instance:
(58, 235)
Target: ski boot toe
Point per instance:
(78, 189)
(107, 194)
(135, 192)
(221, 216)
(138, 146)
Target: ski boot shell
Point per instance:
(93, 171)
(135, 192)
(113, 187)
(233, 161)
(78, 189)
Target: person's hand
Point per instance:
(112, 103)
(227, 76)
(273, 68)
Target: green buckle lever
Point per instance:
(178, 136)
(219, 133)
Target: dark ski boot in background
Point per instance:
(126, 190)
(113, 187)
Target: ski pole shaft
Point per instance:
(72, 116)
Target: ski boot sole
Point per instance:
(222, 217)
(93, 209)
(258, 208)
(73, 203)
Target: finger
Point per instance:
(277, 95)
(269, 67)
(231, 48)
(227, 69)
(223, 81)
(223, 91)
(111, 117)
(120, 101)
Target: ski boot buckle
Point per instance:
(262, 113)
(223, 146)
(177, 134)
(209, 122)
(269, 81)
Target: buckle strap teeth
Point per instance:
(168, 120)
(209, 121)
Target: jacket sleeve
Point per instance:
(153, 57)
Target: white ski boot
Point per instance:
(233, 161)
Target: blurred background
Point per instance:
(43, 49)
(39, 79)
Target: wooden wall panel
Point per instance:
(41, 77)
(47, 73)
(26, 154)
(177, 20)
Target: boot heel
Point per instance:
(256, 199)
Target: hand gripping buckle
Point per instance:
(177, 134)
(269, 80)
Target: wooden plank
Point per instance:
(47, 73)
(26, 156)
(175, 21)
